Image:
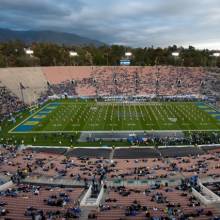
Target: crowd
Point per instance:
(9, 103)
(19, 164)
(190, 138)
(165, 81)
(67, 88)
(134, 81)
(25, 201)
(153, 201)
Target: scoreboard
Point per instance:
(125, 62)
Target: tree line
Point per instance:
(12, 54)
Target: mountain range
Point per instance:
(46, 36)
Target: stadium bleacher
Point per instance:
(33, 202)
(89, 81)
(142, 201)
(31, 79)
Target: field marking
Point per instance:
(11, 131)
(108, 131)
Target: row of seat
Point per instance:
(87, 81)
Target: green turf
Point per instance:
(75, 116)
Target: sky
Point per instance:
(136, 23)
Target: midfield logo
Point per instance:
(173, 119)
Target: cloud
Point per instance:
(134, 23)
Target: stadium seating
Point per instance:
(141, 201)
(22, 201)
(9, 103)
(144, 203)
(91, 81)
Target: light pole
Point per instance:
(126, 59)
(73, 54)
(107, 58)
(29, 52)
(176, 56)
(128, 56)
(216, 56)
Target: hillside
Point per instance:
(46, 36)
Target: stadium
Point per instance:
(101, 119)
(82, 138)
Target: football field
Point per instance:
(74, 116)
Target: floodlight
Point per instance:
(29, 51)
(128, 54)
(216, 54)
(175, 54)
(73, 54)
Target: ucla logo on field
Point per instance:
(173, 119)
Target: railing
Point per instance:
(88, 195)
(200, 197)
(206, 196)
(6, 186)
